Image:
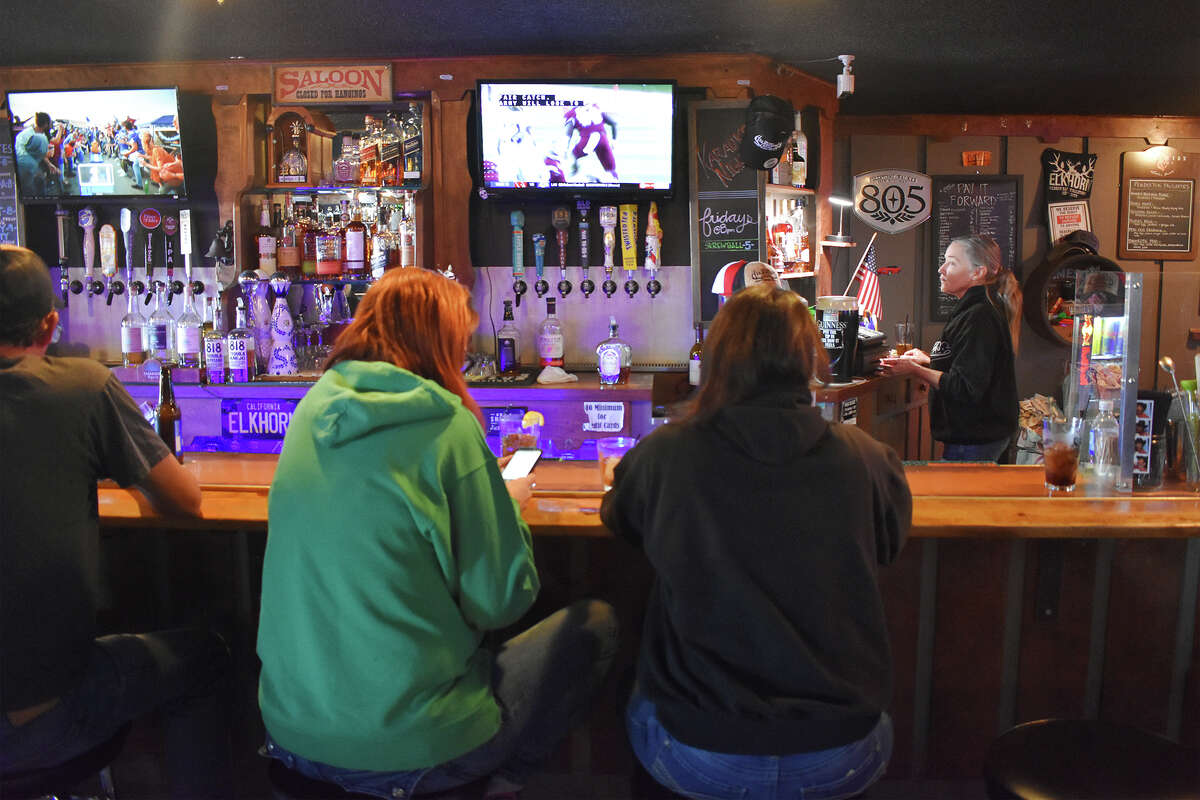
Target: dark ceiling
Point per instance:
(921, 56)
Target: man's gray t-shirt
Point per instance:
(64, 424)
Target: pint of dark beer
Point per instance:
(837, 318)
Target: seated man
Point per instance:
(64, 424)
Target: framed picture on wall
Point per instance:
(1067, 217)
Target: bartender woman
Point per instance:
(973, 407)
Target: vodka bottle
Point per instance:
(161, 328)
(187, 331)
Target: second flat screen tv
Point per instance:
(97, 143)
(566, 135)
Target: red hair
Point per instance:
(417, 320)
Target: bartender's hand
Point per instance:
(521, 489)
(898, 365)
(918, 355)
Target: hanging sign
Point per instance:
(1158, 205)
(311, 84)
(1068, 179)
(892, 200)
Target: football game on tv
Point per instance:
(96, 143)
(564, 135)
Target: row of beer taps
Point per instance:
(626, 215)
(151, 221)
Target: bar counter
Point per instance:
(949, 500)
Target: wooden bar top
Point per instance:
(949, 500)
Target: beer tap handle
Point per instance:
(561, 218)
(197, 287)
(115, 287)
(61, 215)
(540, 286)
(185, 242)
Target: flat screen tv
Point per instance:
(97, 143)
(576, 136)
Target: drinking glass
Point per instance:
(1060, 453)
(609, 452)
(903, 337)
(516, 435)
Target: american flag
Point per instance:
(869, 301)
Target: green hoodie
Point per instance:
(392, 547)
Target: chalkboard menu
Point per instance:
(1158, 205)
(724, 202)
(987, 205)
(9, 221)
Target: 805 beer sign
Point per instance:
(892, 200)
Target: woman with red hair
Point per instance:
(394, 547)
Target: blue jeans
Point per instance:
(543, 680)
(988, 451)
(838, 772)
(180, 672)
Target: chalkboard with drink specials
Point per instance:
(987, 205)
(1158, 205)
(9, 220)
(725, 208)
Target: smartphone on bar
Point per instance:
(521, 463)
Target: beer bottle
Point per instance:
(168, 419)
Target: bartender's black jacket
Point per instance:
(976, 400)
(764, 632)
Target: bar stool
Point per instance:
(57, 781)
(1070, 759)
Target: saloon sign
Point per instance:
(308, 84)
(892, 200)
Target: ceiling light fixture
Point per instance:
(845, 81)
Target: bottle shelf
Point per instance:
(788, 190)
(305, 188)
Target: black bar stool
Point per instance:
(58, 781)
(1069, 759)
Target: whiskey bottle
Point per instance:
(306, 236)
(408, 234)
(411, 132)
(355, 234)
(550, 338)
(133, 333)
(614, 357)
(345, 168)
(168, 420)
(264, 238)
(799, 156)
(240, 349)
(214, 345)
(508, 342)
(287, 252)
(695, 355)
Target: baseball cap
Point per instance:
(26, 292)
(737, 275)
(769, 123)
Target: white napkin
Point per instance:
(556, 375)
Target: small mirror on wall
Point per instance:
(1051, 289)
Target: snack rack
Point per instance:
(1105, 347)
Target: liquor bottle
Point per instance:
(781, 173)
(287, 253)
(306, 235)
(408, 234)
(161, 328)
(508, 342)
(293, 166)
(329, 249)
(799, 156)
(550, 338)
(355, 234)
(803, 242)
(276, 218)
(264, 239)
(380, 247)
(394, 237)
(345, 168)
(207, 316)
(614, 356)
(695, 355)
(214, 345)
(133, 333)
(187, 331)
(239, 349)
(411, 131)
(168, 420)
